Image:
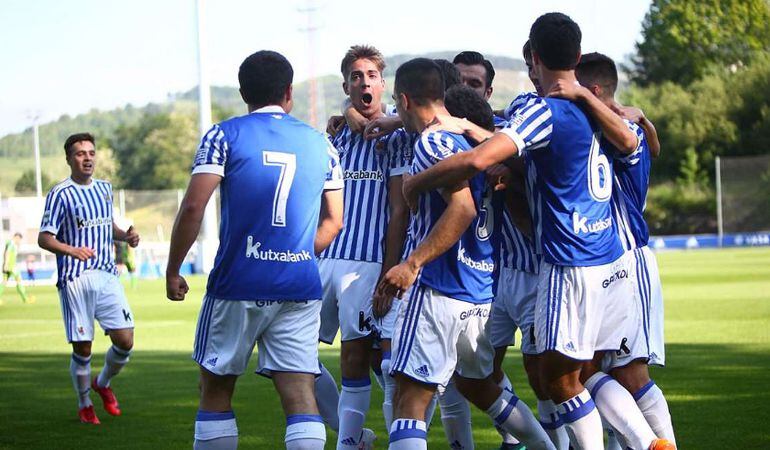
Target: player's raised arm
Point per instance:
(636, 115)
(613, 128)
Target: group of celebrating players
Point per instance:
(427, 234)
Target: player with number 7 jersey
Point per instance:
(281, 204)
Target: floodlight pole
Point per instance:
(207, 240)
(720, 221)
(38, 175)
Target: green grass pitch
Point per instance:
(717, 381)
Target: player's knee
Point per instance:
(82, 348)
(633, 377)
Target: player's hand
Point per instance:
(132, 237)
(334, 125)
(568, 90)
(498, 176)
(381, 126)
(381, 304)
(356, 122)
(449, 124)
(176, 287)
(81, 253)
(407, 189)
(398, 280)
(629, 113)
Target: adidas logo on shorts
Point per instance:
(422, 371)
(570, 346)
(212, 362)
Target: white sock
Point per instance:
(215, 431)
(408, 434)
(80, 370)
(618, 408)
(582, 421)
(389, 388)
(654, 406)
(354, 404)
(456, 418)
(114, 360)
(515, 417)
(305, 432)
(327, 397)
(551, 422)
(508, 438)
(430, 410)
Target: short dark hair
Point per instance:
(595, 68)
(450, 72)
(357, 52)
(526, 51)
(75, 138)
(421, 80)
(471, 58)
(556, 40)
(264, 77)
(463, 101)
(17, 234)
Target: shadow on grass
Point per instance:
(717, 393)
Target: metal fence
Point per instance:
(743, 194)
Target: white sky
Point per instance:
(68, 56)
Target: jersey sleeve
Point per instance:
(517, 103)
(334, 179)
(399, 153)
(431, 148)
(53, 212)
(634, 157)
(211, 156)
(530, 127)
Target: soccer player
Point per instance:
(281, 204)
(78, 227)
(598, 73)
(376, 218)
(441, 330)
(584, 272)
(10, 270)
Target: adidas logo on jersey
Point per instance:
(422, 371)
(375, 175)
(212, 362)
(253, 251)
(581, 225)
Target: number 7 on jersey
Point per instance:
(287, 162)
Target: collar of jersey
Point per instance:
(270, 109)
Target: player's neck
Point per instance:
(252, 108)
(549, 78)
(427, 115)
(376, 113)
(81, 179)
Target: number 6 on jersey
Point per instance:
(287, 162)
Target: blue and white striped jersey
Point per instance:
(572, 175)
(499, 122)
(516, 250)
(275, 169)
(367, 166)
(465, 271)
(520, 101)
(81, 216)
(629, 195)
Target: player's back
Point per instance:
(464, 272)
(274, 175)
(629, 195)
(573, 176)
